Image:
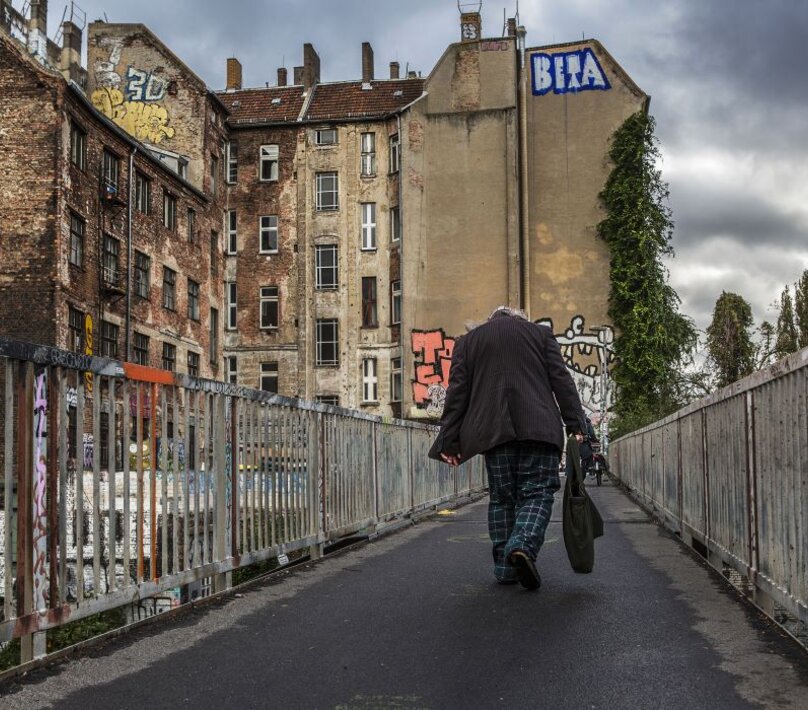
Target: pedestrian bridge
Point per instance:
(136, 489)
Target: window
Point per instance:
(370, 383)
(395, 153)
(214, 174)
(331, 399)
(169, 357)
(76, 256)
(269, 376)
(327, 188)
(193, 300)
(71, 432)
(169, 211)
(103, 447)
(214, 336)
(75, 330)
(232, 236)
(269, 163)
(326, 136)
(142, 193)
(395, 224)
(370, 314)
(269, 234)
(78, 145)
(191, 226)
(109, 340)
(169, 288)
(231, 367)
(368, 225)
(141, 348)
(109, 172)
(326, 267)
(142, 274)
(232, 305)
(214, 251)
(269, 306)
(395, 302)
(109, 260)
(327, 343)
(395, 379)
(232, 163)
(193, 364)
(368, 148)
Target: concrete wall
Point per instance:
(460, 209)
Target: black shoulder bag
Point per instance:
(581, 520)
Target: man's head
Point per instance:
(507, 310)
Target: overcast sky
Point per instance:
(727, 78)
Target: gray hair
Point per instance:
(516, 312)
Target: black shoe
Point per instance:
(528, 574)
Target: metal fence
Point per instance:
(122, 482)
(730, 474)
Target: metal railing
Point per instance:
(729, 473)
(123, 482)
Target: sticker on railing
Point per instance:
(283, 560)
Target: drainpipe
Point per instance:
(129, 250)
(524, 255)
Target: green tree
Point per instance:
(786, 342)
(653, 339)
(729, 341)
(801, 309)
(764, 349)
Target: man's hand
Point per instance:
(451, 459)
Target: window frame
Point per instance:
(75, 329)
(320, 343)
(265, 297)
(267, 231)
(370, 380)
(370, 302)
(319, 133)
(367, 154)
(231, 369)
(395, 302)
(142, 193)
(232, 232)
(320, 191)
(396, 380)
(75, 254)
(270, 158)
(192, 363)
(140, 348)
(395, 224)
(109, 334)
(190, 225)
(213, 337)
(110, 259)
(231, 174)
(320, 269)
(110, 171)
(78, 145)
(395, 153)
(194, 300)
(170, 293)
(368, 226)
(142, 275)
(231, 295)
(169, 210)
(270, 371)
(169, 357)
(214, 174)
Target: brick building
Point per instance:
(355, 228)
(115, 251)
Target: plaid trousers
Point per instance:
(522, 480)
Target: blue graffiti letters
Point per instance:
(568, 72)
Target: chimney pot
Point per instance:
(367, 63)
(282, 76)
(394, 70)
(412, 74)
(233, 74)
(512, 27)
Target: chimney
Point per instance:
(233, 74)
(282, 76)
(70, 59)
(298, 75)
(38, 28)
(367, 63)
(511, 27)
(411, 74)
(394, 70)
(311, 67)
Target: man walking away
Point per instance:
(505, 380)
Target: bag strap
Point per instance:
(574, 457)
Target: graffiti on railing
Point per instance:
(40, 537)
(433, 357)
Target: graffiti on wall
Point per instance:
(433, 356)
(567, 72)
(131, 100)
(587, 354)
(40, 511)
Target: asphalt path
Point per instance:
(415, 620)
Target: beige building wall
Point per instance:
(460, 209)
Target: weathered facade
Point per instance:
(118, 254)
(348, 232)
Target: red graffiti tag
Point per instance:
(433, 359)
